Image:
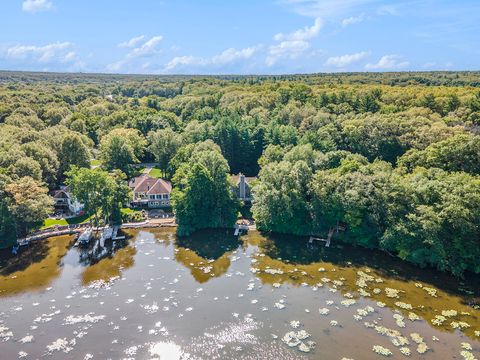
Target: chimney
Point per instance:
(242, 186)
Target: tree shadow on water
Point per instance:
(298, 250)
(26, 256)
(210, 244)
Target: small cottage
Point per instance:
(65, 204)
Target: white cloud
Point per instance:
(36, 5)
(148, 48)
(388, 62)
(353, 20)
(345, 60)
(179, 61)
(288, 49)
(59, 56)
(70, 56)
(226, 57)
(132, 42)
(302, 34)
(232, 54)
(59, 51)
(293, 44)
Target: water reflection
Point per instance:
(206, 253)
(210, 244)
(357, 272)
(34, 267)
(347, 300)
(110, 264)
(297, 250)
(104, 261)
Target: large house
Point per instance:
(242, 186)
(65, 203)
(150, 192)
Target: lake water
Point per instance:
(214, 296)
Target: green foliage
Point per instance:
(73, 152)
(457, 153)
(121, 148)
(101, 193)
(428, 217)
(28, 204)
(202, 197)
(364, 149)
(282, 198)
(164, 144)
(8, 234)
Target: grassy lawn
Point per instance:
(95, 162)
(137, 172)
(128, 211)
(71, 221)
(131, 215)
(156, 173)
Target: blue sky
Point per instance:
(239, 36)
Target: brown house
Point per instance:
(149, 192)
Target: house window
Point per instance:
(159, 196)
(152, 197)
(165, 196)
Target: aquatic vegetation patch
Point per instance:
(403, 305)
(438, 320)
(348, 302)
(399, 320)
(61, 344)
(26, 339)
(381, 350)
(87, 318)
(430, 291)
(467, 355)
(323, 311)
(449, 313)
(392, 293)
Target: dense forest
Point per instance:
(393, 156)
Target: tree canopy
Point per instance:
(202, 197)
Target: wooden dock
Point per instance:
(331, 232)
(61, 230)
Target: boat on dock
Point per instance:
(85, 237)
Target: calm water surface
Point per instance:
(214, 296)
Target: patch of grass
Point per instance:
(62, 222)
(95, 162)
(129, 210)
(52, 222)
(131, 215)
(156, 173)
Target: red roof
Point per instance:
(149, 185)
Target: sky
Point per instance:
(239, 36)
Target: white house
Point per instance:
(64, 202)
